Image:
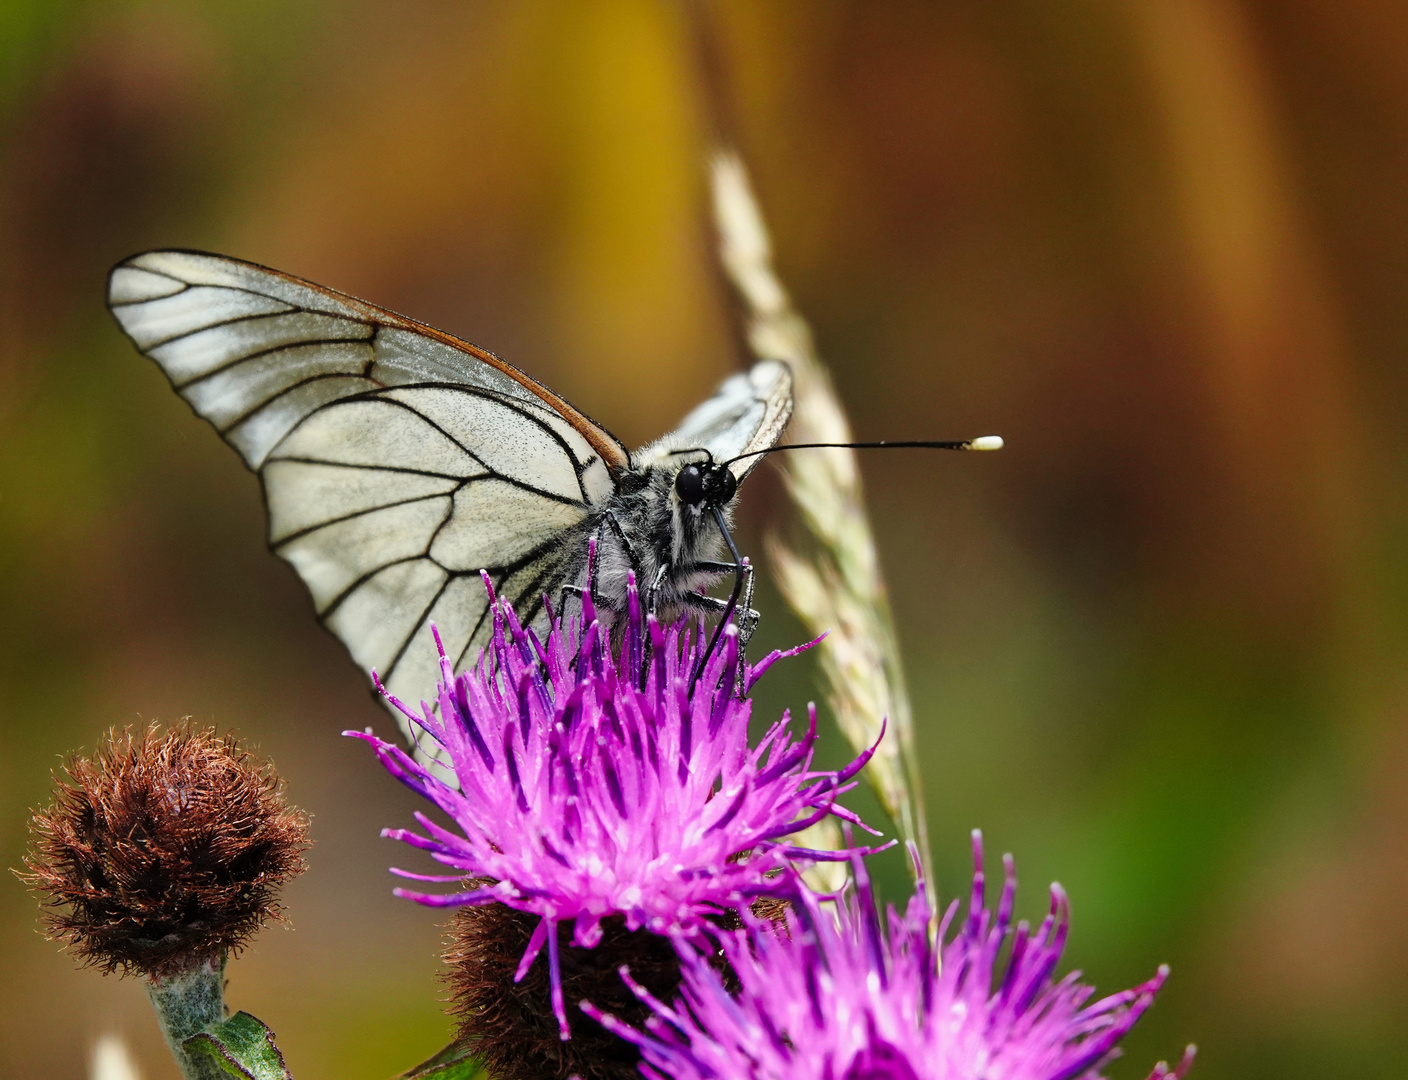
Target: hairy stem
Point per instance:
(187, 1004)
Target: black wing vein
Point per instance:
(294, 347)
(284, 392)
(308, 530)
(289, 309)
(421, 620)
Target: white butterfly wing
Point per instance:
(397, 461)
(749, 411)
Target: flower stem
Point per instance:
(187, 1004)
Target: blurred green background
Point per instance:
(1155, 645)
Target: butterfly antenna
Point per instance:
(982, 442)
(732, 604)
(709, 454)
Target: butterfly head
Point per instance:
(704, 484)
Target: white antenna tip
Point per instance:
(986, 442)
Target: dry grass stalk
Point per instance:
(829, 574)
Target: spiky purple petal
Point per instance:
(834, 998)
(592, 782)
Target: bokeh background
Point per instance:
(1155, 645)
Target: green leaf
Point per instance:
(242, 1046)
(455, 1062)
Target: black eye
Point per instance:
(689, 485)
(723, 484)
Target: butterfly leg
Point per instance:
(579, 592)
(710, 604)
(712, 567)
(598, 597)
(654, 595)
(747, 617)
(609, 517)
(740, 570)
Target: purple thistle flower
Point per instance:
(593, 783)
(831, 998)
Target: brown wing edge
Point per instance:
(775, 419)
(610, 448)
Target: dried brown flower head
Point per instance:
(164, 850)
(511, 1025)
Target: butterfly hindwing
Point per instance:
(748, 412)
(397, 462)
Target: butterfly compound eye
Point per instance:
(689, 485)
(722, 484)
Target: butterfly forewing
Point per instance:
(397, 462)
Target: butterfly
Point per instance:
(398, 462)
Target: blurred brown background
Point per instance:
(1155, 645)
